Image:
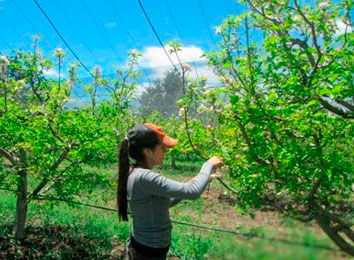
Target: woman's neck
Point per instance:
(143, 165)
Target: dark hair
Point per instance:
(138, 138)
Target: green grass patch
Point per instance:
(102, 228)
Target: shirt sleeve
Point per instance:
(155, 184)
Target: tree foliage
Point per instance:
(44, 144)
(162, 96)
(286, 130)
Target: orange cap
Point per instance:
(165, 140)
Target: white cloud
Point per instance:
(200, 70)
(140, 88)
(156, 57)
(206, 71)
(50, 73)
(157, 61)
(110, 25)
(342, 28)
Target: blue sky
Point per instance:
(121, 27)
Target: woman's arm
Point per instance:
(155, 184)
(175, 201)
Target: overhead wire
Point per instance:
(99, 29)
(206, 21)
(159, 39)
(180, 36)
(11, 26)
(29, 21)
(34, 28)
(147, 76)
(173, 19)
(179, 33)
(157, 35)
(197, 74)
(75, 31)
(6, 43)
(247, 235)
(122, 22)
(62, 38)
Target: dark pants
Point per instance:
(132, 253)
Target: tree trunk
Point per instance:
(336, 229)
(21, 207)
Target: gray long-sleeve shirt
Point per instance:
(150, 196)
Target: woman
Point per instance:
(150, 195)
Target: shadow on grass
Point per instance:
(56, 242)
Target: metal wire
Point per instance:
(75, 31)
(62, 38)
(156, 34)
(99, 29)
(248, 235)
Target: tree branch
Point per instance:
(334, 109)
(317, 183)
(233, 69)
(45, 180)
(312, 27)
(262, 13)
(12, 158)
(346, 104)
(304, 46)
(57, 178)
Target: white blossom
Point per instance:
(238, 156)
(181, 111)
(186, 66)
(59, 52)
(21, 82)
(202, 108)
(4, 60)
(324, 5)
(207, 91)
(297, 18)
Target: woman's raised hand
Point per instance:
(215, 161)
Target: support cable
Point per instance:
(76, 32)
(157, 36)
(248, 235)
(6, 43)
(122, 22)
(29, 21)
(99, 30)
(11, 26)
(206, 21)
(61, 37)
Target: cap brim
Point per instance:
(169, 141)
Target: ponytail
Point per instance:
(123, 180)
(138, 138)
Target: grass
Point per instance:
(101, 235)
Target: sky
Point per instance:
(102, 32)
